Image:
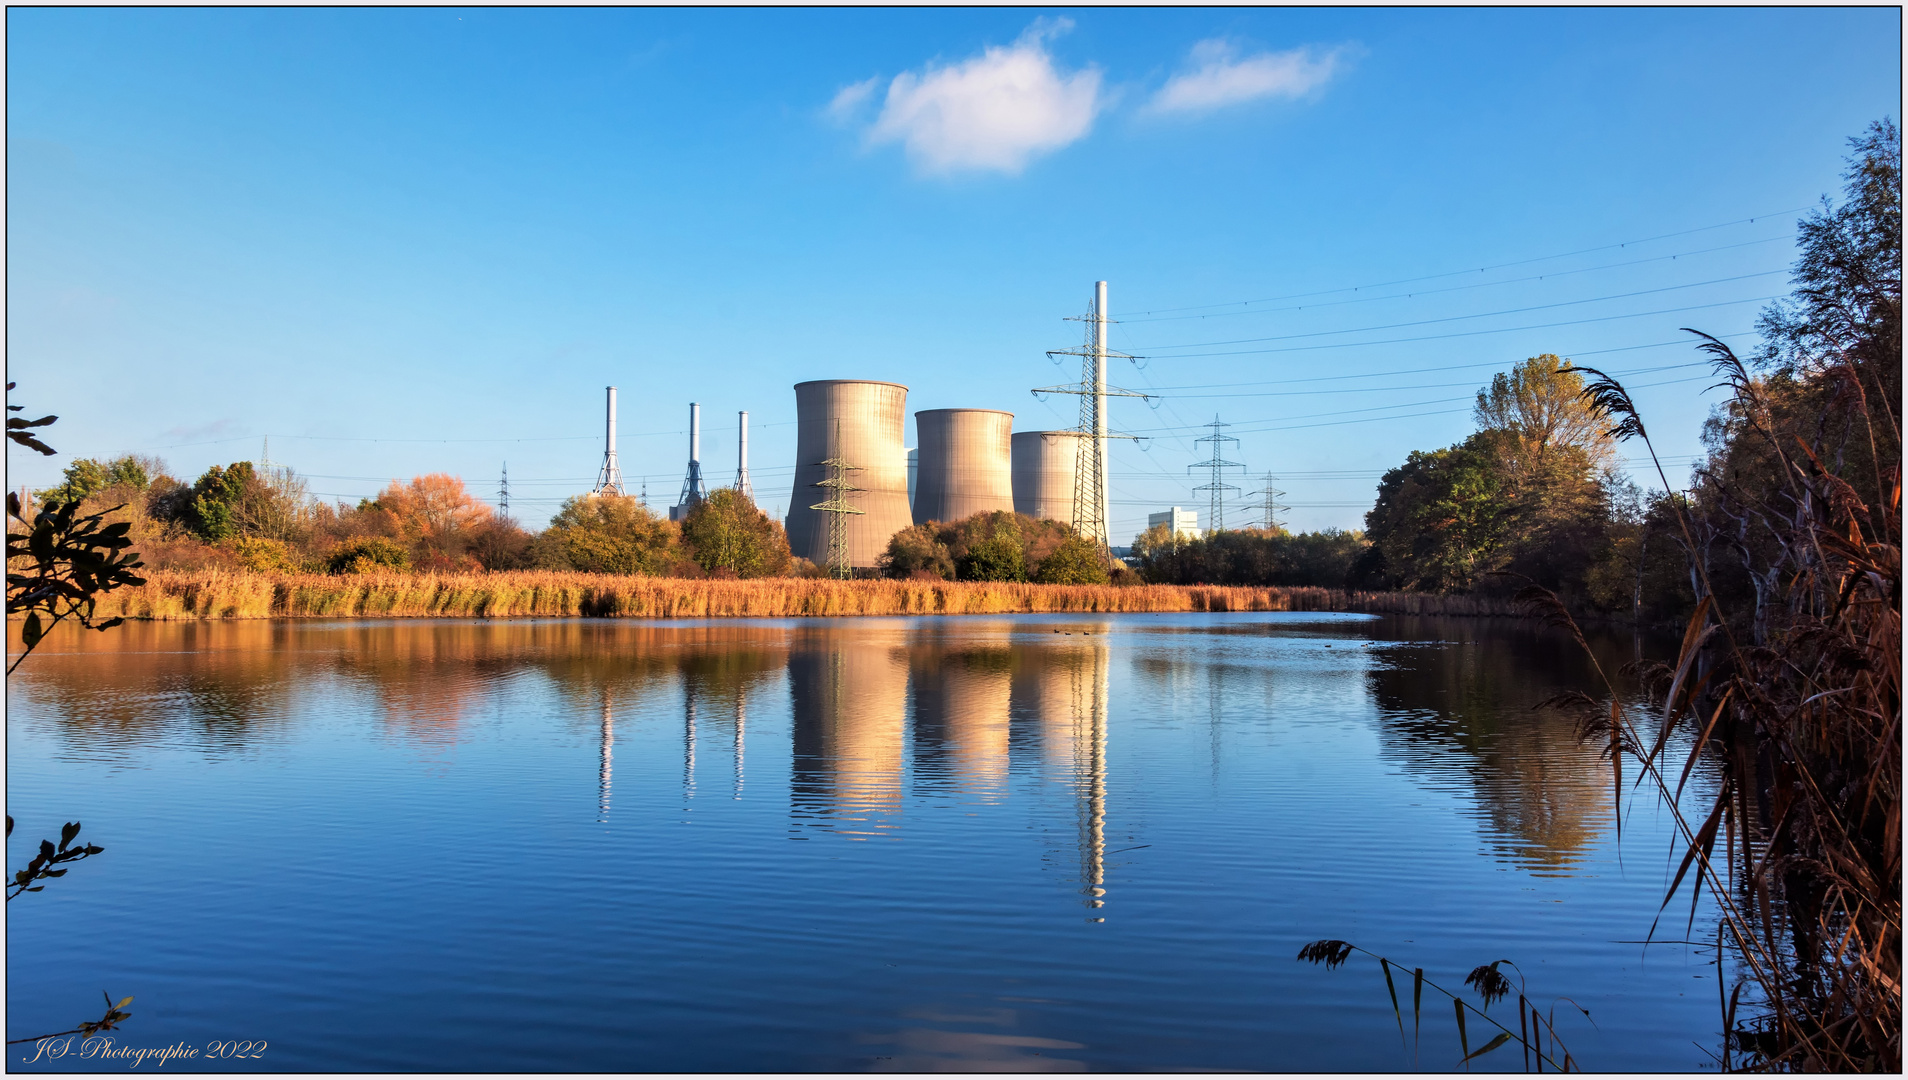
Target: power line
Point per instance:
(1463, 288)
(1483, 269)
(1476, 333)
(1446, 367)
(1461, 318)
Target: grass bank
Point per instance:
(218, 594)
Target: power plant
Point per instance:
(742, 486)
(856, 484)
(693, 491)
(1045, 464)
(609, 479)
(966, 463)
(859, 422)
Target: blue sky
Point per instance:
(407, 241)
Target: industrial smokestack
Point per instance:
(742, 487)
(609, 480)
(693, 491)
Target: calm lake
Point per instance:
(1021, 843)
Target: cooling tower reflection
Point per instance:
(848, 692)
(961, 698)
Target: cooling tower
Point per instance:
(966, 463)
(861, 422)
(1044, 467)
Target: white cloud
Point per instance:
(850, 99)
(995, 111)
(1221, 79)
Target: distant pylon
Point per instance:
(1272, 508)
(742, 487)
(609, 479)
(1217, 487)
(837, 507)
(1089, 477)
(503, 491)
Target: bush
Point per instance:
(917, 552)
(368, 555)
(266, 555)
(996, 555)
(1075, 562)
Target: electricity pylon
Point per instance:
(1272, 506)
(1217, 464)
(1089, 475)
(837, 507)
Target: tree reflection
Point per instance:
(1456, 706)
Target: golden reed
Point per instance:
(216, 594)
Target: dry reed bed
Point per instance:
(220, 594)
(177, 595)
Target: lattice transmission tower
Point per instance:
(837, 507)
(503, 491)
(1271, 510)
(1089, 476)
(1217, 465)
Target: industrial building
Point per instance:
(1044, 465)
(859, 422)
(965, 463)
(1184, 523)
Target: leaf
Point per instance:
(67, 833)
(1417, 999)
(123, 1002)
(1489, 1046)
(1463, 1039)
(1393, 991)
(31, 633)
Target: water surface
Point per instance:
(1019, 843)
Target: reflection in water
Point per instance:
(962, 699)
(959, 944)
(1063, 690)
(1459, 712)
(603, 762)
(848, 700)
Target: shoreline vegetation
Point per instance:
(211, 594)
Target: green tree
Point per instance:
(608, 534)
(1438, 518)
(994, 552)
(86, 477)
(1076, 561)
(212, 510)
(726, 532)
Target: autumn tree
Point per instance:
(1538, 411)
(728, 533)
(607, 534)
(435, 516)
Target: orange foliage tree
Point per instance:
(437, 517)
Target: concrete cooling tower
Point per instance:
(861, 422)
(966, 463)
(1044, 467)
